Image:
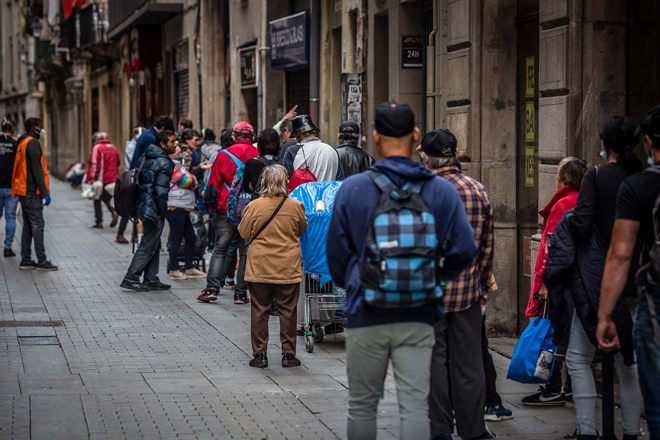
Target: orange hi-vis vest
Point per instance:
(19, 178)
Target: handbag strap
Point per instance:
(270, 219)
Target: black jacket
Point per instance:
(353, 159)
(155, 183)
(579, 268)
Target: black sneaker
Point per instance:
(568, 389)
(245, 298)
(135, 286)
(238, 299)
(544, 397)
(289, 360)
(46, 266)
(259, 361)
(230, 283)
(27, 265)
(333, 328)
(9, 253)
(301, 331)
(157, 285)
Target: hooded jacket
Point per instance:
(579, 268)
(320, 158)
(353, 159)
(103, 163)
(562, 201)
(223, 171)
(354, 203)
(207, 149)
(155, 184)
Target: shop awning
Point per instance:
(147, 14)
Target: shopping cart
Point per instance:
(321, 298)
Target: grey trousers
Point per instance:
(368, 349)
(33, 227)
(462, 386)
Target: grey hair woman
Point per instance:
(272, 225)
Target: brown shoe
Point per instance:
(98, 226)
(115, 219)
(121, 239)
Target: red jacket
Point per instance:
(562, 201)
(104, 156)
(223, 170)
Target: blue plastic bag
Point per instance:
(312, 243)
(533, 351)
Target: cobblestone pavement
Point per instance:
(161, 365)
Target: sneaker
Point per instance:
(46, 266)
(568, 389)
(245, 298)
(289, 360)
(333, 328)
(135, 286)
(208, 295)
(115, 219)
(544, 397)
(177, 275)
(229, 283)
(259, 361)
(497, 414)
(27, 265)
(238, 299)
(157, 285)
(9, 253)
(195, 273)
(301, 331)
(98, 225)
(121, 239)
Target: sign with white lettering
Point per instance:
(289, 41)
(411, 52)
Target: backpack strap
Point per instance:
(239, 165)
(386, 186)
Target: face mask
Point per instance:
(603, 155)
(42, 134)
(651, 161)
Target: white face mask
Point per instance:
(42, 134)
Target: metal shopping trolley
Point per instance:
(320, 303)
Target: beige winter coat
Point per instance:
(274, 257)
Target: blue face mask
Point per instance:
(603, 155)
(651, 161)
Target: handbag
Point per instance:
(301, 175)
(248, 240)
(533, 358)
(183, 178)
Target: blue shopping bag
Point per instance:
(533, 357)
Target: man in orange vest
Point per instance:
(30, 182)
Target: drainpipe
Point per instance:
(314, 60)
(430, 75)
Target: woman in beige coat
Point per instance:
(274, 267)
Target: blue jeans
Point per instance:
(9, 204)
(647, 347)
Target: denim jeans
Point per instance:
(409, 345)
(226, 233)
(579, 357)
(647, 347)
(147, 256)
(181, 228)
(33, 227)
(8, 203)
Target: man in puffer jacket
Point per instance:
(155, 187)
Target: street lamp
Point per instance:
(36, 29)
(22, 52)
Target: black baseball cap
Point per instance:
(439, 143)
(394, 119)
(650, 123)
(349, 127)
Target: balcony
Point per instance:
(127, 14)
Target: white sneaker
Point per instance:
(195, 273)
(177, 275)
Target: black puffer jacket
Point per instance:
(155, 183)
(353, 159)
(580, 269)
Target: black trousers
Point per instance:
(98, 210)
(146, 258)
(33, 227)
(492, 396)
(181, 228)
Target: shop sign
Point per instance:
(289, 41)
(411, 52)
(530, 80)
(248, 60)
(529, 165)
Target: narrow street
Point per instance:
(116, 364)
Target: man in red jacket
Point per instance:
(103, 168)
(220, 181)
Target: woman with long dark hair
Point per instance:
(268, 145)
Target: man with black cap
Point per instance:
(315, 155)
(458, 353)
(353, 159)
(400, 333)
(634, 222)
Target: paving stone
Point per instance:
(57, 417)
(58, 385)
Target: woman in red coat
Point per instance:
(569, 176)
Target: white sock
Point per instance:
(140, 238)
(229, 279)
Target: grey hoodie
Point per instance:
(180, 197)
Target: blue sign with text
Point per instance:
(289, 41)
